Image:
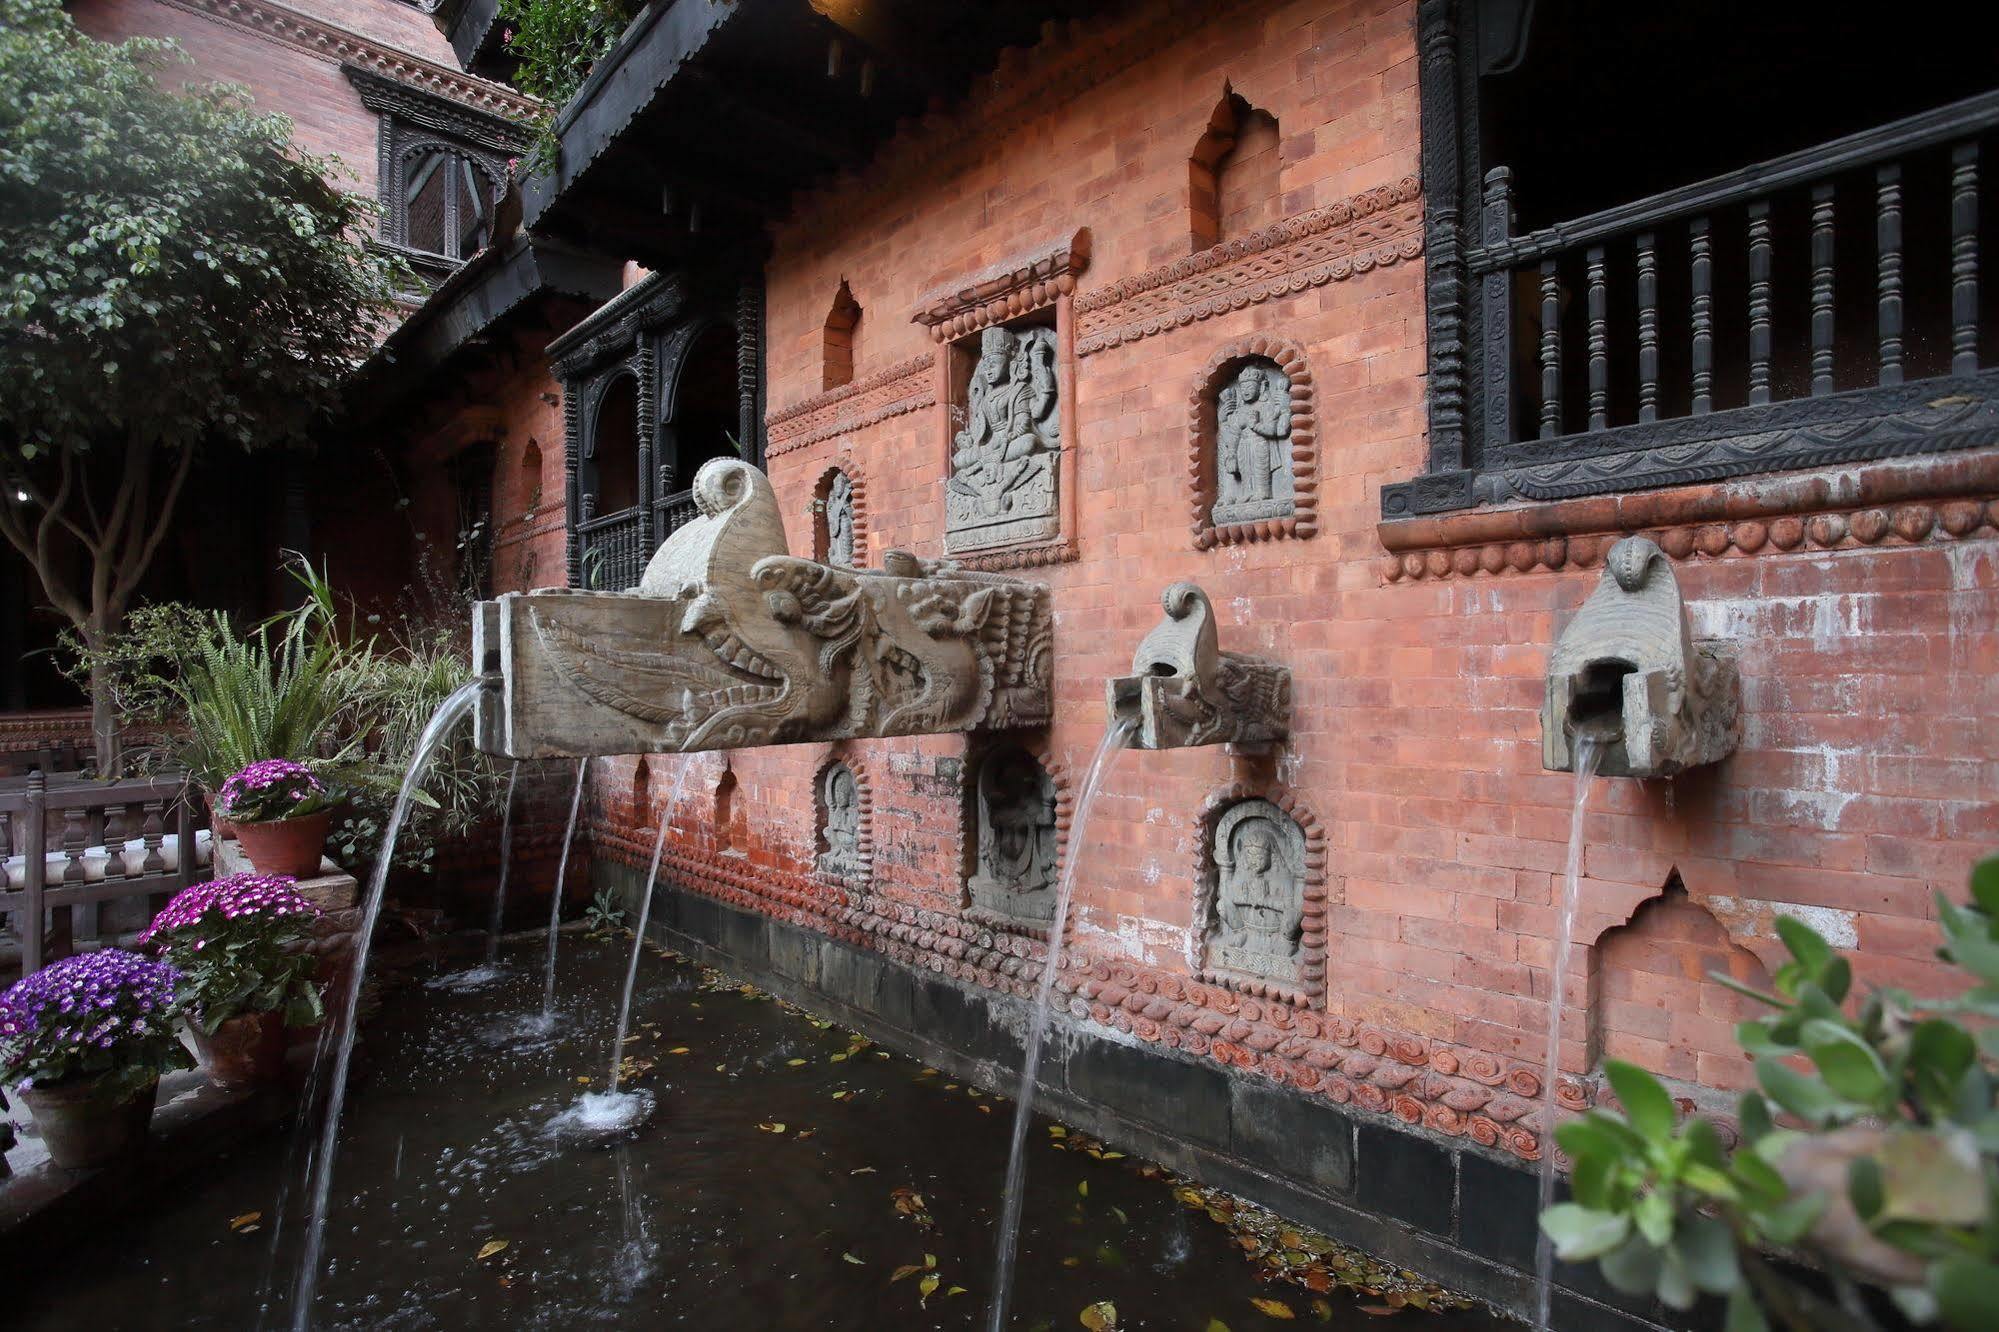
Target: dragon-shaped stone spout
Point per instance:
(730, 642)
(1628, 673)
(1184, 691)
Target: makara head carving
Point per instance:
(1184, 691)
(1627, 676)
(729, 642)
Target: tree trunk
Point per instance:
(103, 715)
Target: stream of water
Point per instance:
(555, 896)
(447, 715)
(1037, 1030)
(506, 864)
(1588, 749)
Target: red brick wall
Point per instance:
(1864, 782)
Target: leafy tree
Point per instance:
(174, 277)
(1871, 1148)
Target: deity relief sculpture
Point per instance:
(1184, 691)
(1253, 446)
(1627, 675)
(840, 520)
(1014, 870)
(840, 827)
(1004, 462)
(1259, 900)
(728, 642)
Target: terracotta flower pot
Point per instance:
(90, 1123)
(246, 1051)
(286, 846)
(222, 829)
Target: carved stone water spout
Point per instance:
(1628, 671)
(730, 642)
(1184, 691)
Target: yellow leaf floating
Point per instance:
(858, 1262)
(906, 1270)
(1273, 1308)
(247, 1219)
(678, 1049)
(491, 1247)
(1217, 1325)
(1099, 1317)
(794, 1063)
(771, 1128)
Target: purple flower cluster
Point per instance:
(76, 1011)
(270, 789)
(206, 908)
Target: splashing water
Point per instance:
(1016, 1170)
(506, 864)
(1588, 752)
(555, 896)
(447, 715)
(645, 914)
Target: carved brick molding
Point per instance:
(1006, 290)
(906, 386)
(1371, 230)
(857, 499)
(1886, 504)
(1310, 989)
(1303, 520)
(428, 109)
(289, 27)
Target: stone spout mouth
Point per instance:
(1184, 691)
(1628, 678)
(731, 642)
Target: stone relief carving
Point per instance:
(840, 810)
(730, 642)
(1253, 445)
(1627, 671)
(1014, 866)
(1184, 691)
(1004, 462)
(1259, 916)
(840, 520)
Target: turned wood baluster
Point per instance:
(1759, 301)
(1964, 258)
(1822, 253)
(83, 916)
(1496, 309)
(34, 850)
(1648, 328)
(1700, 263)
(1599, 340)
(1551, 350)
(1888, 282)
(155, 861)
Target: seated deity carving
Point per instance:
(1259, 910)
(1003, 463)
(1015, 873)
(840, 803)
(1253, 446)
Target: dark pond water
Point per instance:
(792, 1177)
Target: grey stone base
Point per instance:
(1423, 1202)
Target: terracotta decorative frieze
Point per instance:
(1884, 505)
(302, 32)
(1491, 1102)
(33, 730)
(1371, 230)
(1005, 290)
(1301, 442)
(1260, 895)
(904, 387)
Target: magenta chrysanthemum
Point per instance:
(97, 1012)
(271, 789)
(206, 908)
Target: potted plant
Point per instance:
(281, 813)
(86, 1040)
(245, 975)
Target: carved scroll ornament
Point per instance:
(1184, 691)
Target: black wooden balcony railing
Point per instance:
(1824, 306)
(616, 546)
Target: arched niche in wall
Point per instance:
(843, 819)
(839, 516)
(837, 339)
(1253, 444)
(1016, 827)
(610, 477)
(1233, 174)
(726, 824)
(1261, 895)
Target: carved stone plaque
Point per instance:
(1259, 911)
(1253, 446)
(840, 520)
(1004, 462)
(1014, 870)
(840, 826)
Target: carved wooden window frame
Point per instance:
(1310, 991)
(822, 490)
(1303, 520)
(978, 754)
(1018, 292)
(864, 808)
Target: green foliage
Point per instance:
(557, 42)
(1872, 1147)
(604, 914)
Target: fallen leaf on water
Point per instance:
(858, 1262)
(1217, 1325)
(1099, 1317)
(247, 1219)
(841, 1095)
(837, 1059)
(584, 1081)
(926, 1288)
(803, 1134)
(1057, 1131)
(1274, 1308)
(864, 1170)
(1379, 1310)
(1122, 1219)
(489, 1248)
(1072, 1262)
(771, 1128)
(954, 1290)
(1322, 1310)
(678, 1049)
(1083, 1187)
(907, 1269)
(985, 1109)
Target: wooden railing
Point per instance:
(1739, 290)
(673, 512)
(613, 550)
(52, 829)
